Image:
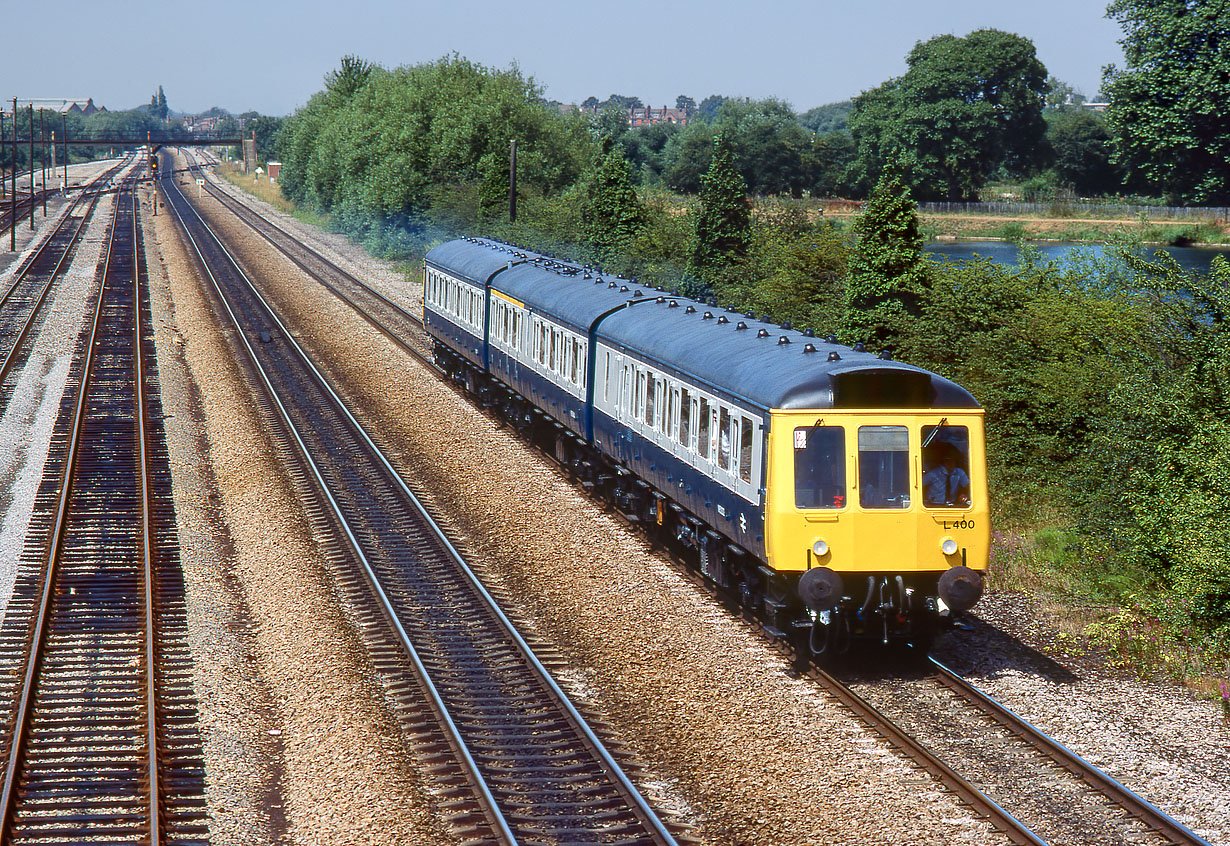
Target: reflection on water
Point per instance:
(1003, 252)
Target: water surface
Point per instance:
(1004, 252)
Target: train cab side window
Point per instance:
(651, 386)
(884, 466)
(945, 456)
(745, 449)
(819, 467)
(703, 435)
(724, 440)
(685, 418)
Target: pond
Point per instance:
(1004, 252)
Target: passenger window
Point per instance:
(945, 455)
(745, 450)
(640, 396)
(724, 439)
(884, 466)
(651, 389)
(819, 467)
(685, 418)
(704, 428)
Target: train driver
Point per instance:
(946, 483)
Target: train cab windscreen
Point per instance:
(884, 466)
(819, 467)
(946, 482)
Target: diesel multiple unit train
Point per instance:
(840, 494)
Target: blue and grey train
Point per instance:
(840, 494)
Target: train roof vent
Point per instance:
(830, 339)
(787, 325)
(886, 355)
(763, 333)
(809, 348)
(623, 289)
(723, 318)
(740, 325)
(708, 315)
(858, 347)
(783, 340)
(637, 293)
(809, 332)
(672, 303)
(766, 318)
(834, 356)
(691, 309)
(614, 284)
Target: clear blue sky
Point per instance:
(271, 55)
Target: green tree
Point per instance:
(1061, 95)
(1081, 145)
(965, 107)
(710, 106)
(833, 153)
(351, 74)
(795, 268)
(722, 231)
(1168, 111)
(686, 156)
(612, 215)
(887, 269)
(772, 148)
(830, 118)
(1161, 470)
(158, 105)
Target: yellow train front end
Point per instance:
(881, 515)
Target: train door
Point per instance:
(885, 533)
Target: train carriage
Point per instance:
(842, 493)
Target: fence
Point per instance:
(1065, 208)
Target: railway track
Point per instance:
(1145, 823)
(99, 738)
(22, 301)
(517, 762)
(400, 325)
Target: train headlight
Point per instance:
(821, 548)
(948, 546)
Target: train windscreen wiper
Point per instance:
(931, 437)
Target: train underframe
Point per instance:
(894, 609)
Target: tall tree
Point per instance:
(163, 109)
(887, 268)
(612, 215)
(723, 218)
(351, 75)
(1081, 144)
(965, 107)
(1170, 105)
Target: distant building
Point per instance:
(1094, 107)
(648, 116)
(644, 116)
(59, 105)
